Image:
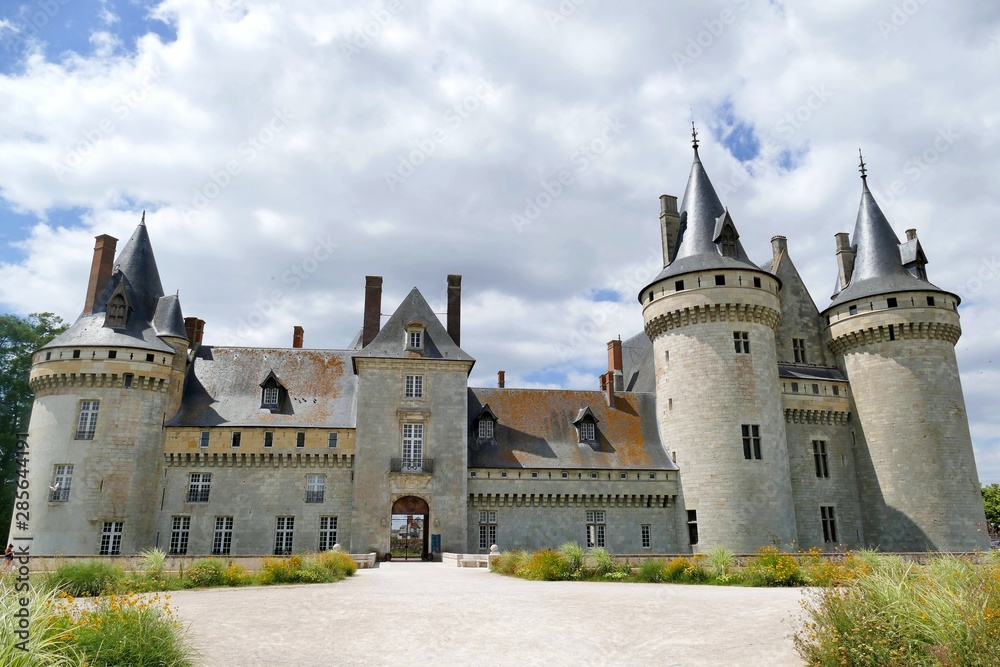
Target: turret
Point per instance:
(894, 336)
(711, 315)
(102, 389)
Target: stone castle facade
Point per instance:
(741, 416)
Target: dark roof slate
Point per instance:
(638, 372)
(535, 430)
(223, 388)
(810, 373)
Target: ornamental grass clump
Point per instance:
(772, 567)
(509, 562)
(152, 561)
(48, 645)
(207, 572)
(574, 556)
(944, 613)
(87, 578)
(602, 561)
(544, 565)
(652, 571)
(720, 563)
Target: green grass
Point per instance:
(86, 578)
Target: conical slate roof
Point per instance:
(703, 218)
(136, 261)
(878, 265)
(390, 342)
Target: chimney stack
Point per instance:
(779, 244)
(615, 365)
(455, 308)
(911, 234)
(373, 309)
(670, 225)
(608, 381)
(845, 258)
(195, 330)
(100, 269)
(500, 379)
(297, 334)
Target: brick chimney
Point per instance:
(297, 334)
(195, 330)
(615, 365)
(845, 258)
(100, 269)
(373, 309)
(455, 308)
(500, 379)
(608, 385)
(670, 225)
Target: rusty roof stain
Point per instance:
(535, 430)
(222, 388)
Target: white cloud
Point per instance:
(364, 87)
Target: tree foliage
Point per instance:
(991, 503)
(19, 337)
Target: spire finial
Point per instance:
(143, 221)
(694, 136)
(862, 168)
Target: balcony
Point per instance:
(411, 465)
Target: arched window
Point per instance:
(117, 313)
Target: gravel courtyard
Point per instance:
(430, 614)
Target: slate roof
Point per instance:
(390, 342)
(223, 388)
(702, 220)
(153, 314)
(810, 373)
(638, 372)
(535, 430)
(878, 263)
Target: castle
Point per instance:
(741, 416)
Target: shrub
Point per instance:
(771, 567)
(651, 571)
(277, 571)
(720, 562)
(152, 561)
(508, 562)
(336, 564)
(545, 565)
(574, 556)
(236, 575)
(207, 572)
(602, 561)
(675, 569)
(87, 578)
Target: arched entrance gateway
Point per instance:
(408, 533)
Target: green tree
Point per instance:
(991, 503)
(19, 337)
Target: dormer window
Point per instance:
(586, 426)
(484, 426)
(272, 393)
(728, 242)
(587, 431)
(116, 315)
(415, 339)
(486, 429)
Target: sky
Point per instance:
(284, 150)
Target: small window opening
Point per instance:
(891, 302)
(756, 282)
(678, 285)
(720, 280)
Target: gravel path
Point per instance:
(429, 614)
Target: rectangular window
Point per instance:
(486, 428)
(268, 439)
(829, 523)
(741, 340)
(62, 478)
(203, 443)
(564, 475)
(587, 431)
(891, 302)
(76, 354)
(112, 354)
(756, 282)
(646, 541)
(222, 541)
(331, 441)
(819, 457)
(692, 526)
(799, 350)
(595, 528)
(150, 357)
(180, 530)
(720, 280)
(930, 301)
(199, 487)
(315, 488)
(795, 387)
(416, 339)
(111, 538)
(283, 534)
(413, 447)
(751, 441)
(87, 423)
(852, 310)
(127, 380)
(836, 390)
(487, 529)
(327, 532)
(678, 285)
(414, 386)
(815, 388)
(300, 439)
(270, 396)
(237, 437)
(534, 475)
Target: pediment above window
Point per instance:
(273, 395)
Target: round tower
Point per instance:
(711, 315)
(102, 390)
(894, 334)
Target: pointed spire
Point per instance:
(143, 221)
(694, 138)
(137, 264)
(864, 171)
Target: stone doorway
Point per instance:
(408, 529)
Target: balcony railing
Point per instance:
(314, 496)
(412, 465)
